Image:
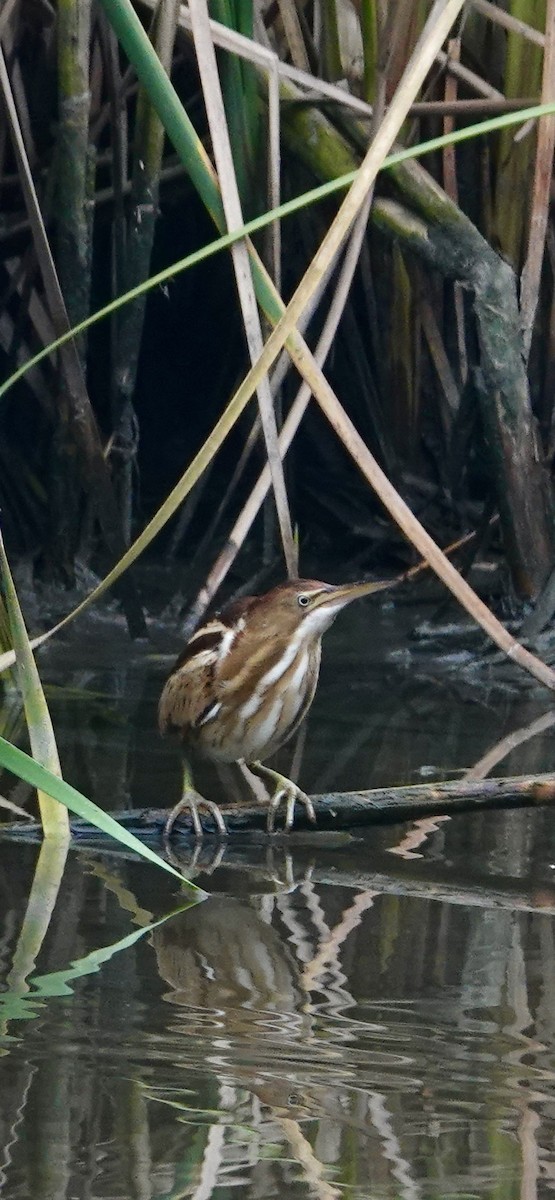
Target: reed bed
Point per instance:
(432, 283)
(101, 186)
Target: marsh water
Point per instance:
(371, 1017)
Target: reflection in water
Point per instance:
(227, 957)
(339, 1022)
(320, 1041)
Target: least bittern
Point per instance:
(246, 679)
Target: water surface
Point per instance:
(336, 1019)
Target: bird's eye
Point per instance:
(303, 601)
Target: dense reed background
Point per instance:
(444, 342)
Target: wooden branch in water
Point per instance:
(350, 810)
(337, 811)
(346, 810)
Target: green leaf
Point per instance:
(55, 822)
(20, 764)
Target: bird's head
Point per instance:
(304, 604)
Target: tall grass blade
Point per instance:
(369, 30)
(44, 892)
(239, 120)
(55, 822)
(330, 47)
(73, 174)
(15, 760)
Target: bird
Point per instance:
(244, 682)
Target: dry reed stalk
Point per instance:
(428, 224)
(514, 158)
(470, 78)
(234, 218)
(449, 403)
(329, 401)
(507, 21)
(506, 745)
(531, 274)
(451, 188)
(469, 108)
(293, 34)
(252, 506)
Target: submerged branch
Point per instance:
(339, 862)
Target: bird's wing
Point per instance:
(189, 694)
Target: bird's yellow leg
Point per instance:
(191, 801)
(284, 789)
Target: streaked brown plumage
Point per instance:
(246, 679)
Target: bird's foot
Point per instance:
(192, 802)
(285, 790)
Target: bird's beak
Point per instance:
(341, 595)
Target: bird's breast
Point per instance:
(257, 716)
(238, 705)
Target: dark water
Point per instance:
(337, 1020)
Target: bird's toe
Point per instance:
(292, 795)
(192, 803)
